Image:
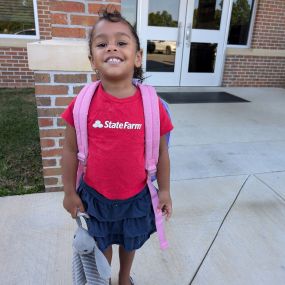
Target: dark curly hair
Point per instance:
(115, 16)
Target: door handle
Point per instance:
(179, 34)
(188, 34)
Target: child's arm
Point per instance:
(163, 179)
(71, 202)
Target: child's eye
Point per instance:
(101, 45)
(122, 43)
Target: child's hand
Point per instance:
(165, 203)
(72, 204)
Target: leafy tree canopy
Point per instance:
(163, 19)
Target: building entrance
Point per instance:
(183, 41)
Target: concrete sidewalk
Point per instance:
(228, 188)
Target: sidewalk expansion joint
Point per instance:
(209, 177)
(216, 235)
(268, 186)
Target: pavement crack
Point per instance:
(217, 233)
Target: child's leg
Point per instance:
(126, 261)
(109, 253)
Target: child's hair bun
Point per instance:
(110, 12)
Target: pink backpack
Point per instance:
(152, 138)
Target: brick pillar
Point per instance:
(54, 91)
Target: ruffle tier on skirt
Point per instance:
(127, 222)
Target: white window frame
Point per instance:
(27, 37)
(250, 32)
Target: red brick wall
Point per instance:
(73, 19)
(44, 19)
(54, 91)
(255, 71)
(14, 71)
(268, 33)
(269, 30)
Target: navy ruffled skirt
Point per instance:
(127, 222)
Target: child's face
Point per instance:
(114, 51)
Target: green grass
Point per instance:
(20, 156)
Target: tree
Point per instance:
(207, 15)
(240, 20)
(240, 13)
(163, 19)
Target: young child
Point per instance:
(114, 191)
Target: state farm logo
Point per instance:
(97, 124)
(116, 125)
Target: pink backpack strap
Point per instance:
(80, 113)
(152, 139)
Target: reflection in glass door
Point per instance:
(204, 43)
(183, 41)
(161, 34)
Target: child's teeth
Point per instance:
(114, 60)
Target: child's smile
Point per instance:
(113, 60)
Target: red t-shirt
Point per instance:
(116, 147)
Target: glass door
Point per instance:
(160, 27)
(183, 41)
(204, 42)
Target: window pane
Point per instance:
(240, 22)
(160, 56)
(163, 13)
(129, 11)
(17, 17)
(207, 14)
(202, 57)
